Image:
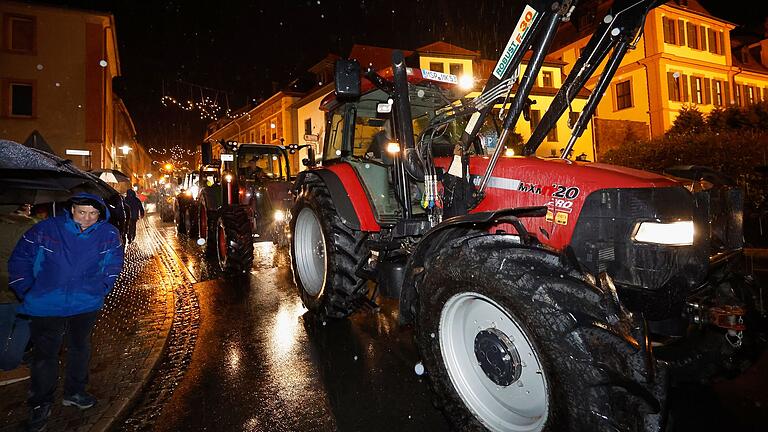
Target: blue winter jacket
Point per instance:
(59, 271)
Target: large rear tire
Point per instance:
(512, 341)
(234, 240)
(325, 255)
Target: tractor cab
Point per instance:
(364, 133)
(264, 180)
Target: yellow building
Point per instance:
(56, 71)
(683, 58)
(271, 122)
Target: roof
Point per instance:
(445, 48)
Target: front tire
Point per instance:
(234, 240)
(514, 342)
(325, 255)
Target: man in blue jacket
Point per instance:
(61, 269)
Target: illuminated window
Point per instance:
(456, 69)
(718, 92)
(19, 34)
(698, 90)
(273, 128)
(437, 67)
(623, 95)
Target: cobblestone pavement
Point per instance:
(128, 338)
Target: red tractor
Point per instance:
(547, 294)
(245, 196)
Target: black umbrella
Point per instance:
(29, 175)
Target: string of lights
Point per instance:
(204, 100)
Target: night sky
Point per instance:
(242, 50)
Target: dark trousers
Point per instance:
(47, 336)
(131, 229)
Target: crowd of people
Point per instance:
(58, 262)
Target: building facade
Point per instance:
(273, 121)
(56, 72)
(685, 57)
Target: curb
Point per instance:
(119, 408)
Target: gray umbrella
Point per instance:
(29, 175)
(111, 175)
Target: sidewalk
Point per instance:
(128, 340)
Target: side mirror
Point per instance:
(309, 161)
(347, 79)
(206, 153)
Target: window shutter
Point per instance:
(673, 96)
(758, 95)
(684, 85)
(691, 34)
(681, 32)
(711, 39)
(707, 91)
(727, 89)
(703, 38)
(665, 26)
(721, 47)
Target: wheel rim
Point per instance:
(310, 252)
(221, 243)
(492, 364)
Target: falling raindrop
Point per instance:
(103, 63)
(419, 369)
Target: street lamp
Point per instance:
(125, 149)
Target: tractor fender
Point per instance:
(437, 237)
(347, 192)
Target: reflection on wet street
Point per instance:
(245, 355)
(262, 363)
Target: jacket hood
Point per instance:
(84, 198)
(130, 193)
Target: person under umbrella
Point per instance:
(62, 269)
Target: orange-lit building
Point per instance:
(685, 56)
(56, 71)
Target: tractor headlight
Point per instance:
(194, 190)
(279, 215)
(671, 234)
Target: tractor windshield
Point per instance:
(364, 128)
(262, 163)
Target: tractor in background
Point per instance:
(244, 197)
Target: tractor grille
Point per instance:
(602, 242)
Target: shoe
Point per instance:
(81, 400)
(14, 375)
(38, 417)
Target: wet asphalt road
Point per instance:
(259, 362)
